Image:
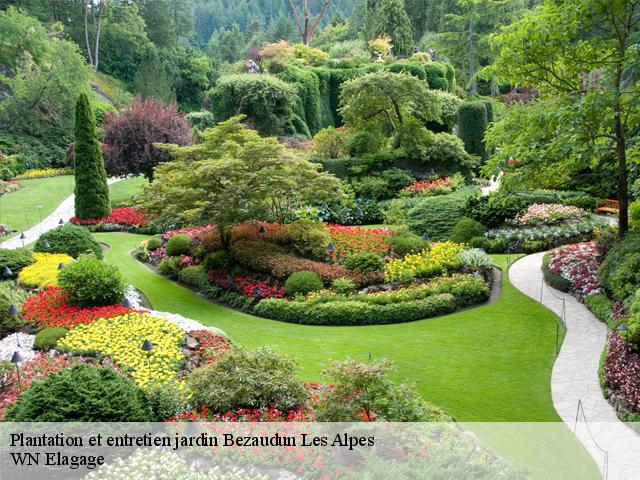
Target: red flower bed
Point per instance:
(49, 308)
(252, 287)
(348, 240)
(425, 186)
(622, 371)
(210, 346)
(252, 415)
(128, 216)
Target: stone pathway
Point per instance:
(575, 376)
(63, 212)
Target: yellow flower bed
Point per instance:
(121, 338)
(45, 172)
(44, 271)
(438, 259)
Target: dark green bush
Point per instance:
(600, 306)
(303, 282)
(397, 178)
(82, 394)
(70, 239)
(362, 143)
(154, 243)
(15, 259)
(217, 261)
(364, 262)
(195, 276)
(405, 243)
(166, 401)
(47, 338)
(412, 68)
(472, 125)
(178, 245)
(343, 286)
(626, 279)
(480, 242)
(494, 209)
(353, 312)
(616, 256)
(437, 75)
(89, 282)
(554, 280)
(309, 238)
(8, 323)
(466, 229)
(169, 267)
(248, 379)
(436, 216)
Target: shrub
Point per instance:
(82, 394)
(248, 379)
(8, 323)
(309, 238)
(405, 243)
(330, 142)
(217, 261)
(364, 262)
(89, 282)
(154, 243)
(480, 242)
(494, 209)
(362, 143)
(616, 256)
(178, 245)
(166, 400)
(70, 239)
(194, 275)
(472, 125)
(634, 214)
(600, 306)
(302, 283)
(626, 279)
(16, 259)
(476, 259)
(47, 338)
(436, 216)
(343, 286)
(169, 267)
(466, 229)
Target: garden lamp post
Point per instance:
(330, 249)
(23, 237)
(61, 266)
(147, 346)
(61, 222)
(14, 311)
(623, 328)
(191, 429)
(16, 359)
(45, 247)
(263, 229)
(127, 304)
(6, 272)
(425, 237)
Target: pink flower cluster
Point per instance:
(622, 371)
(193, 232)
(579, 264)
(549, 214)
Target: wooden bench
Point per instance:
(609, 206)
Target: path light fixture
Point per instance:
(6, 272)
(263, 229)
(61, 222)
(147, 346)
(23, 237)
(46, 245)
(13, 310)
(623, 328)
(61, 266)
(127, 304)
(16, 359)
(331, 247)
(359, 212)
(425, 237)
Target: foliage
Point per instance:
(330, 142)
(120, 338)
(50, 308)
(390, 18)
(47, 338)
(201, 120)
(170, 267)
(493, 210)
(303, 282)
(405, 243)
(194, 275)
(343, 286)
(466, 229)
(130, 135)
(436, 216)
(350, 240)
(179, 244)
(472, 126)
(91, 190)
(476, 259)
(621, 370)
(309, 238)
(44, 271)
(8, 323)
(439, 259)
(70, 239)
(82, 393)
(248, 379)
(364, 262)
(89, 282)
(15, 259)
(601, 306)
(630, 245)
(626, 279)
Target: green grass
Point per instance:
(124, 190)
(487, 364)
(20, 209)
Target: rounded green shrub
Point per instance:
(178, 245)
(466, 229)
(71, 239)
(15, 259)
(154, 243)
(343, 286)
(364, 262)
(47, 338)
(82, 394)
(169, 267)
(405, 243)
(480, 242)
(89, 282)
(8, 323)
(195, 276)
(217, 261)
(626, 280)
(248, 379)
(303, 282)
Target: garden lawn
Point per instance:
(124, 190)
(491, 363)
(20, 209)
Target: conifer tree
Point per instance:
(91, 190)
(389, 18)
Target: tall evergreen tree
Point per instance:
(91, 190)
(389, 17)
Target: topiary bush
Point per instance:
(248, 379)
(364, 262)
(15, 259)
(600, 306)
(89, 282)
(405, 243)
(466, 229)
(178, 245)
(8, 323)
(472, 125)
(47, 338)
(154, 243)
(71, 239)
(303, 282)
(616, 256)
(480, 242)
(82, 394)
(493, 210)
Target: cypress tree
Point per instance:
(91, 190)
(389, 17)
(472, 125)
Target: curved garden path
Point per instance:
(575, 375)
(63, 212)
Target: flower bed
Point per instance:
(439, 186)
(253, 287)
(549, 214)
(349, 240)
(121, 338)
(125, 217)
(622, 371)
(210, 346)
(252, 415)
(45, 172)
(439, 259)
(9, 186)
(44, 272)
(577, 263)
(49, 308)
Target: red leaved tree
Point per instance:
(129, 137)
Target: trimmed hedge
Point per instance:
(601, 306)
(354, 312)
(472, 125)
